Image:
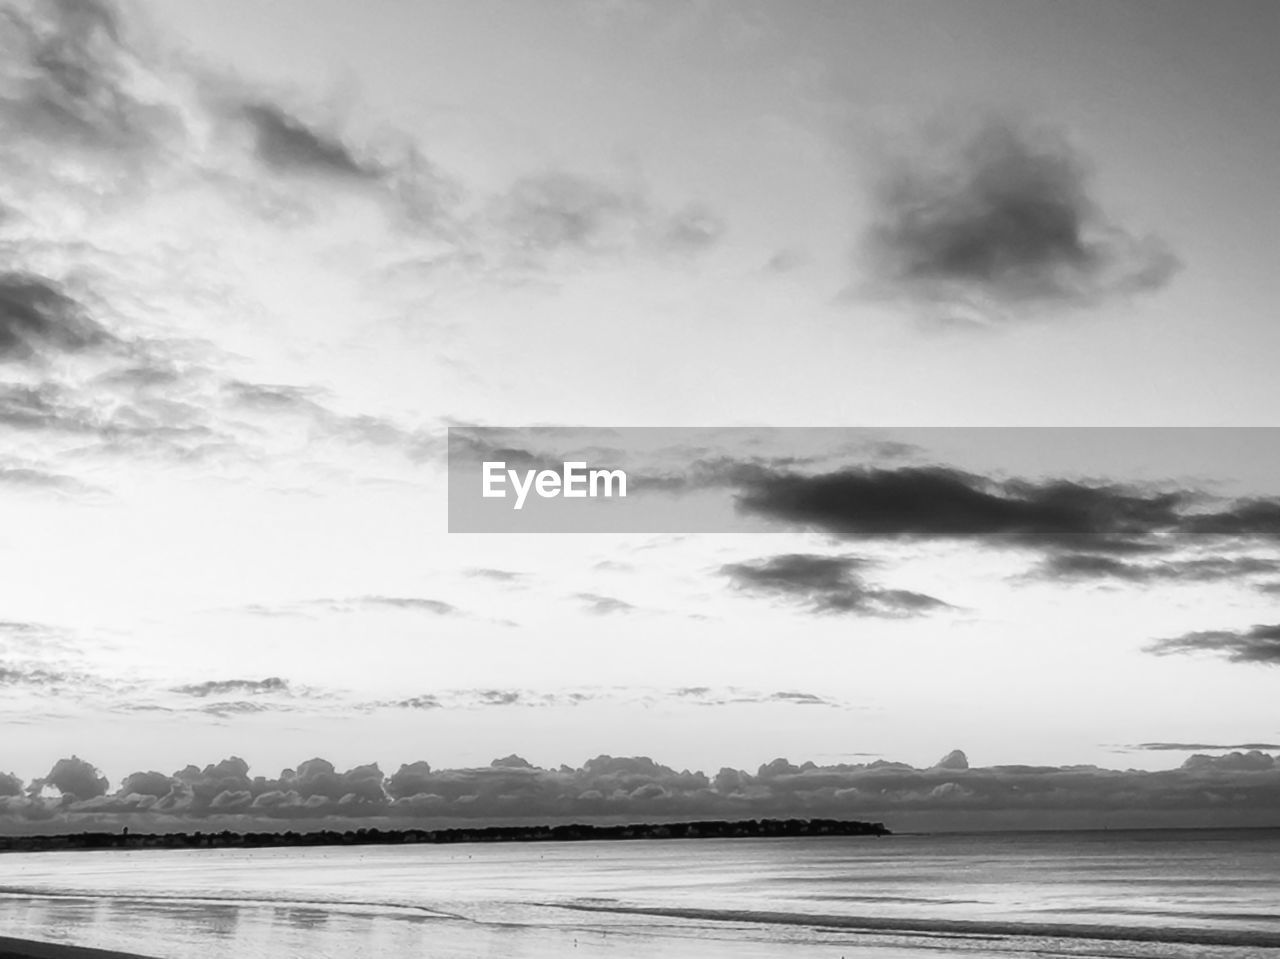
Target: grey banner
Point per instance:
(1133, 486)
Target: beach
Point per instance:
(1172, 894)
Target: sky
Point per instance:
(257, 259)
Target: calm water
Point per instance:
(1117, 894)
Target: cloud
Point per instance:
(799, 699)
(411, 603)
(34, 677)
(707, 696)
(827, 584)
(10, 785)
(939, 501)
(415, 702)
(599, 605)
(956, 759)
(558, 213)
(1091, 566)
(75, 779)
(36, 317)
(498, 575)
(354, 604)
(1258, 644)
(285, 143)
(571, 698)
(482, 698)
(222, 687)
(15, 476)
(1239, 787)
(1188, 747)
(994, 219)
(70, 77)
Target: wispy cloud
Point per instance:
(1092, 567)
(1257, 644)
(223, 687)
(1216, 747)
(497, 575)
(827, 585)
(599, 605)
(559, 213)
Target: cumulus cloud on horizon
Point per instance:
(1241, 785)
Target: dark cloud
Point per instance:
(149, 783)
(37, 317)
(411, 779)
(1001, 216)
(599, 605)
(10, 785)
(1092, 566)
(285, 143)
(222, 687)
(1258, 644)
(1249, 517)
(938, 501)
(74, 778)
(1239, 787)
(827, 584)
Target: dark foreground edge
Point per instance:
(30, 949)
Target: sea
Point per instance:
(1118, 893)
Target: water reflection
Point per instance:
(313, 919)
(204, 919)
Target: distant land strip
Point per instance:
(576, 832)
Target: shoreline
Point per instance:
(11, 948)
